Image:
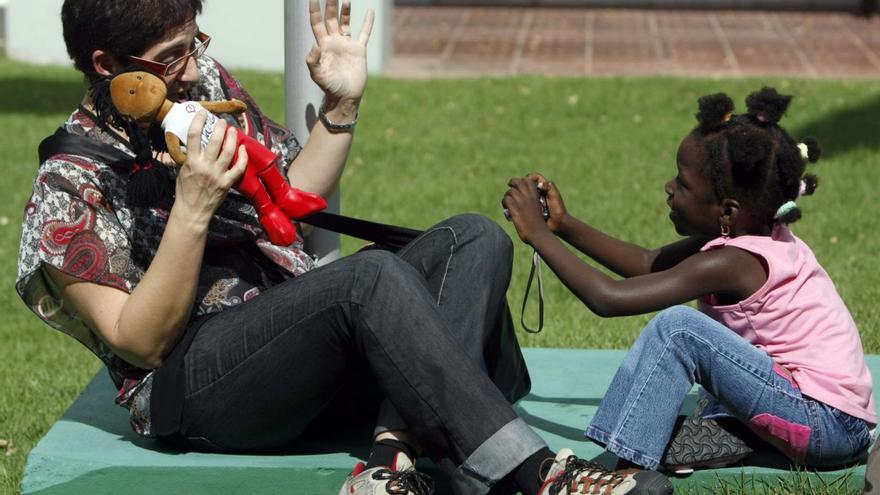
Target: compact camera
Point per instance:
(542, 200)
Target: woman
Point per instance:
(222, 341)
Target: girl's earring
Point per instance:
(725, 231)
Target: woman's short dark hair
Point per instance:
(120, 27)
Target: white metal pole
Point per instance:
(302, 97)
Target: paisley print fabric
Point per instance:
(78, 221)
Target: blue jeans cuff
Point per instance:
(505, 450)
(611, 445)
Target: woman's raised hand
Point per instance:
(338, 62)
(205, 177)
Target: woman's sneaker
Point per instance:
(706, 443)
(401, 478)
(570, 475)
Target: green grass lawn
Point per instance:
(426, 150)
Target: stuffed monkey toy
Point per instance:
(142, 98)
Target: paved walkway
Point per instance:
(463, 41)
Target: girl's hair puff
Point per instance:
(752, 158)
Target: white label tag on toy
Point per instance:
(181, 116)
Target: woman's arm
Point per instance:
(338, 65)
(320, 163)
(142, 327)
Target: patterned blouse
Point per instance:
(78, 221)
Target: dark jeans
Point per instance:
(258, 374)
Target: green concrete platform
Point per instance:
(91, 449)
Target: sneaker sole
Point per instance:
(703, 443)
(648, 483)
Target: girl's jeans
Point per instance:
(681, 346)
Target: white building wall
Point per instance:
(34, 31)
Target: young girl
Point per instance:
(773, 344)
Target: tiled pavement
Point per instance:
(462, 41)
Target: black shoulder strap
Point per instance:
(71, 144)
(388, 236)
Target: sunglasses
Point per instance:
(200, 44)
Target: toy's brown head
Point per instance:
(138, 95)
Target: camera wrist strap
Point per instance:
(536, 268)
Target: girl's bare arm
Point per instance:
(726, 271)
(729, 272)
(624, 258)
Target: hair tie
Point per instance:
(805, 151)
(785, 209)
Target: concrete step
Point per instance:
(468, 41)
(92, 451)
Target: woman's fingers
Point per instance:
(194, 134)
(345, 18)
(314, 57)
(205, 178)
(331, 17)
(230, 141)
(318, 27)
(367, 28)
(234, 174)
(215, 142)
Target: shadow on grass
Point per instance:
(39, 96)
(845, 130)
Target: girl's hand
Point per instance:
(205, 177)
(338, 63)
(521, 201)
(558, 213)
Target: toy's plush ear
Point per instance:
(138, 95)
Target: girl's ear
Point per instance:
(729, 214)
(104, 63)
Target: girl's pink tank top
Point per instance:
(798, 318)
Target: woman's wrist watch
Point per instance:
(333, 126)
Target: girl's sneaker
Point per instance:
(570, 475)
(706, 443)
(401, 478)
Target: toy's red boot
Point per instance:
(279, 229)
(295, 203)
